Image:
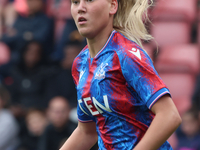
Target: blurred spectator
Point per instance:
(21, 7)
(196, 95)
(4, 59)
(8, 125)
(10, 14)
(3, 6)
(28, 80)
(35, 26)
(36, 122)
(62, 83)
(59, 9)
(68, 32)
(4, 54)
(60, 128)
(189, 135)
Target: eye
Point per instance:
(90, 0)
(75, 1)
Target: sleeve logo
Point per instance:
(136, 52)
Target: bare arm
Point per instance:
(166, 121)
(83, 137)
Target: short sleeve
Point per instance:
(75, 73)
(83, 116)
(140, 74)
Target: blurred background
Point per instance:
(38, 42)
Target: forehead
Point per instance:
(35, 48)
(58, 103)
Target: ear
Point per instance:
(114, 7)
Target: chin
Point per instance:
(84, 32)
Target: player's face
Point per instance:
(91, 16)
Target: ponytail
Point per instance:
(129, 19)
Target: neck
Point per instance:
(96, 44)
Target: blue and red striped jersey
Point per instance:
(116, 89)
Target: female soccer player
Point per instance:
(122, 101)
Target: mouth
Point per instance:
(81, 20)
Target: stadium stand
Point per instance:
(175, 10)
(179, 58)
(181, 86)
(171, 32)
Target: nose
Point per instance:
(82, 7)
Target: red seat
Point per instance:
(179, 58)
(175, 10)
(181, 87)
(171, 33)
(149, 48)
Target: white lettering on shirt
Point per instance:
(97, 108)
(90, 106)
(97, 104)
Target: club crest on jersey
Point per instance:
(100, 74)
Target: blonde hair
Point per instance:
(129, 19)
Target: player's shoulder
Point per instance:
(79, 60)
(127, 47)
(82, 55)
